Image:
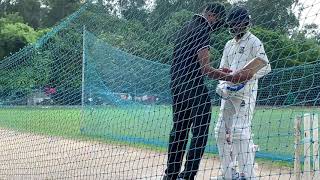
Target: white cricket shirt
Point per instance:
(237, 54)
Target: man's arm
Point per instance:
(259, 66)
(242, 76)
(252, 68)
(239, 77)
(203, 57)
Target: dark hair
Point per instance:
(238, 15)
(220, 11)
(216, 8)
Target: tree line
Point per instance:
(24, 21)
(134, 26)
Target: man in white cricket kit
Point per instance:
(233, 129)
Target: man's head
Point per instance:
(238, 21)
(215, 13)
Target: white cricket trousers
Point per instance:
(234, 138)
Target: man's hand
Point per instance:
(226, 70)
(218, 74)
(241, 76)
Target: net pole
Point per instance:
(83, 74)
(297, 167)
(307, 146)
(315, 128)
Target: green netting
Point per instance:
(101, 76)
(123, 91)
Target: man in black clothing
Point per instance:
(191, 101)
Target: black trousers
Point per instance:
(191, 111)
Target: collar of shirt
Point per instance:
(244, 37)
(202, 16)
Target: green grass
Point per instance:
(63, 122)
(145, 126)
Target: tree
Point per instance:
(308, 32)
(161, 12)
(14, 34)
(5, 7)
(133, 9)
(59, 9)
(165, 8)
(30, 10)
(273, 14)
(196, 5)
(312, 31)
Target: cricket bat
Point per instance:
(255, 65)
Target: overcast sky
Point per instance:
(311, 12)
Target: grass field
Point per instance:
(147, 125)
